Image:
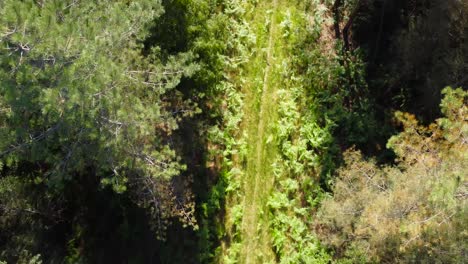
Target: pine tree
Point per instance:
(79, 99)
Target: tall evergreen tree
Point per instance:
(78, 99)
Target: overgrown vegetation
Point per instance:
(233, 131)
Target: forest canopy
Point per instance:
(233, 131)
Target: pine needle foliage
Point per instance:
(79, 100)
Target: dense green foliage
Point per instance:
(80, 104)
(233, 131)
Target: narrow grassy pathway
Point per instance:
(261, 80)
(259, 177)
